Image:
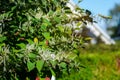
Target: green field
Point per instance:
(98, 62)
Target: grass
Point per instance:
(101, 62)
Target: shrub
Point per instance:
(35, 40)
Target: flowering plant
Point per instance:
(37, 39)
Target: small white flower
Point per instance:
(29, 47)
(5, 49)
(53, 56)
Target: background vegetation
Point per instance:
(114, 23)
(98, 62)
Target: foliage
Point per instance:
(114, 23)
(115, 12)
(35, 40)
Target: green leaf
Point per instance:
(88, 38)
(19, 55)
(50, 13)
(13, 8)
(77, 28)
(74, 45)
(24, 28)
(30, 41)
(73, 55)
(30, 1)
(79, 1)
(2, 39)
(42, 43)
(39, 65)
(53, 73)
(46, 21)
(54, 63)
(46, 35)
(79, 23)
(61, 28)
(42, 78)
(31, 29)
(57, 19)
(66, 7)
(32, 55)
(30, 66)
(63, 64)
(68, 11)
(43, 26)
(22, 45)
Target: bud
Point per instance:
(35, 40)
(17, 33)
(22, 39)
(47, 42)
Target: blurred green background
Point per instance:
(98, 62)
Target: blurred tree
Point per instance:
(114, 24)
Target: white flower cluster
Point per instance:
(29, 47)
(48, 55)
(5, 49)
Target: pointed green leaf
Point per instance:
(46, 21)
(13, 8)
(63, 64)
(53, 73)
(31, 29)
(2, 39)
(72, 56)
(61, 28)
(30, 41)
(43, 26)
(54, 63)
(46, 35)
(22, 45)
(30, 66)
(57, 19)
(32, 55)
(79, 23)
(68, 11)
(39, 65)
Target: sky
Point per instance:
(98, 6)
